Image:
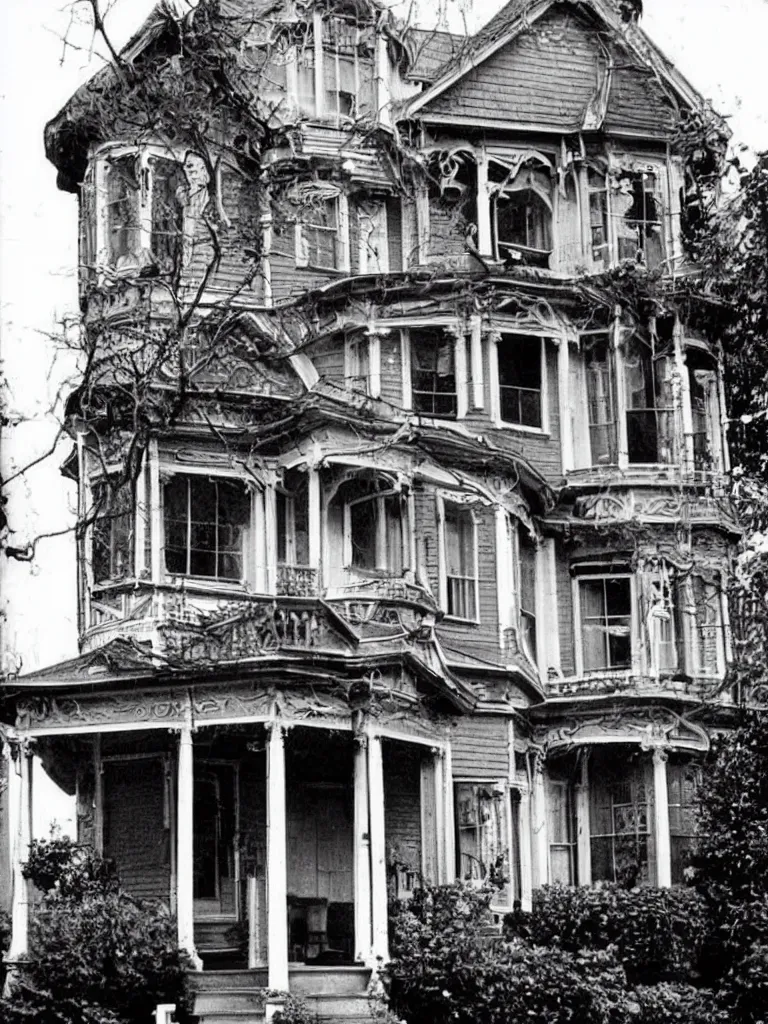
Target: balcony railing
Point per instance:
(296, 581)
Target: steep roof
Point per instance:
(604, 72)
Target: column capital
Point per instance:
(660, 755)
(360, 740)
(276, 727)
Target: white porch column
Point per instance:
(439, 783)
(661, 819)
(185, 793)
(539, 825)
(449, 824)
(277, 869)
(362, 852)
(20, 806)
(315, 517)
(583, 834)
(378, 848)
(526, 881)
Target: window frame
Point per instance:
(444, 589)
(381, 546)
(340, 235)
(449, 327)
(510, 835)
(226, 582)
(497, 337)
(353, 342)
(96, 182)
(318, 56)
(583, 577)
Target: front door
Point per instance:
(214, 841)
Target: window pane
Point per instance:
(433, 374)
(123, 197)
(519, 359)
(168, 183)
(606, 621)
(363, 534)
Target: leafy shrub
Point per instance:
(96, 954)
(295, 1011)
(657, 932)
(443, 972)
(677, 1004)
(5, 942)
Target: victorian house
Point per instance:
(401, 469)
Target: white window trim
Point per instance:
(459, 365)
(364, 255)
(381, 534)
(497, 336)
(379, 81)
(633, 629)
(257, 518)
(342, 240)
(442, 501)
(97, 172)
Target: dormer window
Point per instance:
(139, 212)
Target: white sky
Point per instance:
(720, 47)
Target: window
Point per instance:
(659, 611)
(343, 83)
(648, 379)
(433, 372)
(112, 532)
(460, 561)
(605, 605)
(374, 237)
(527, 556)
(292, 508)
(520, 380)
(638, 219)
(601, 400)
(358, 363)
(682, 788)
(705, 411)
(376, 537)
(620, 814)
(481, 823)
(206, 524)
(599, 230)
(144, 211)
(320, 234)
(562, 848)
(522, 214)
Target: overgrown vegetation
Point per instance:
(96, 954)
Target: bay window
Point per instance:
(460, 561)
(375, 525)
(605, 622)
(206, 525)
(112, 536)
(143, 200)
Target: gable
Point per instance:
(555, 76)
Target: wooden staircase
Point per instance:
(338, 995)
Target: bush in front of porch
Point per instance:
(97, 954)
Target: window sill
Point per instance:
(460, 621)
(537, 431)
(207, 584)
(313, 269)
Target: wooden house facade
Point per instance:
(404, 533)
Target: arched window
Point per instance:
(522, 218)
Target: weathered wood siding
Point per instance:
(480, 747)
(548, 75)
(564, 611)
(136, 835)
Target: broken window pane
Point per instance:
(123, 211)
(638, 220)
(167, 190)
(460, 568)
(523, 228)
(606, 623)
(650, 405)
(520, 380)
(601, 401)
(433, 372)
(481, 822)
(112, 532)
(320, 226)
(205, 527)
(348, 68)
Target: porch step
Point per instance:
(232, 1017)
(238, 1000)
(348, 1009)
(329, 981)
(223, 980)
